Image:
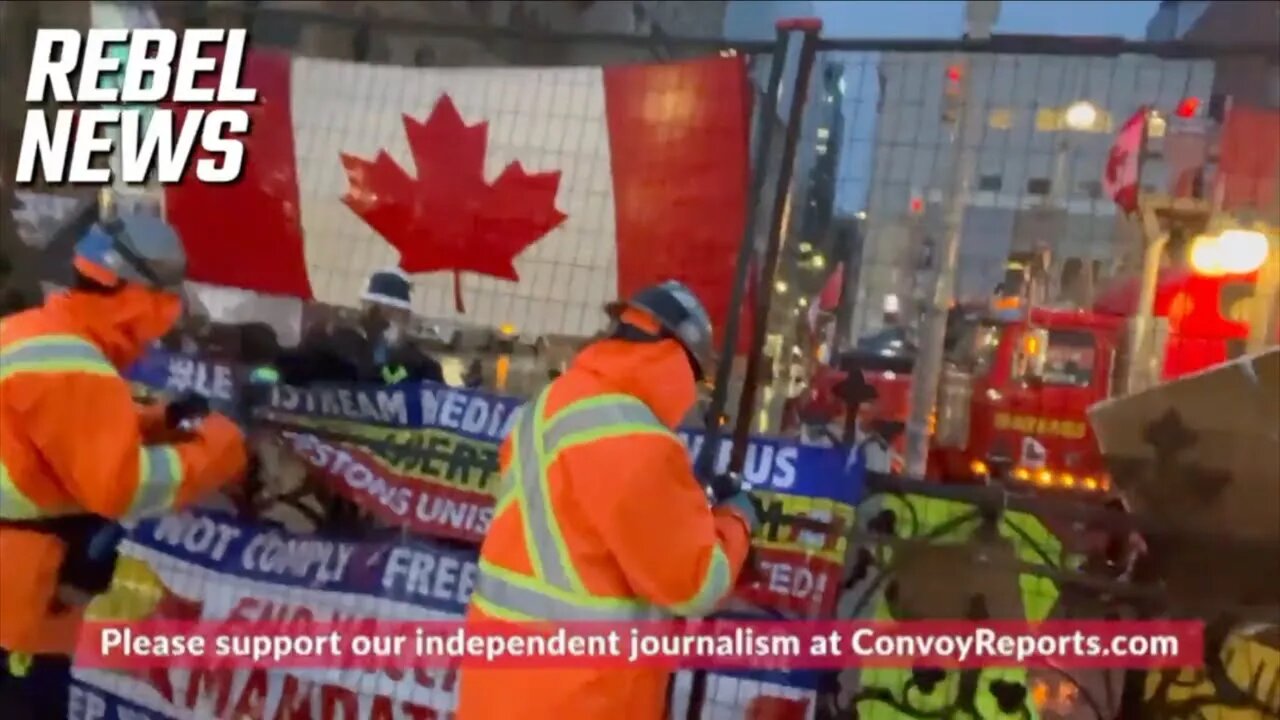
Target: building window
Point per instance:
(1000, 118)
(989, 183)
(1053, 119)
(1038, 186)
(1156, 126)
(1091, 189)
(1047, 120)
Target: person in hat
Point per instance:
(386, 314)
(77, 455)
(601, 517)
(376, 349)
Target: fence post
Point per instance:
(809, 27)
(928, 370)
(766, 110)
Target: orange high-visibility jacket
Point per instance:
(71, 441)
(600, 518)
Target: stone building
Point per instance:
(461, 32)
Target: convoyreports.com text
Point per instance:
(375, 644)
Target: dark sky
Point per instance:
(933, 18)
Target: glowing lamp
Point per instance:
(1232, 252)
(1081, 115)
(978, 468)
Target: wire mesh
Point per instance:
(1036, 213)
(585, 153)
(390, 531)
(874, 148)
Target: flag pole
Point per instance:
(1139, 371)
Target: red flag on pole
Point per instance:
(828, 298)
(1124, 162)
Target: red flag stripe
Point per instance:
(677, 141)
(249, 234)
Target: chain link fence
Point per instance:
(867, 198)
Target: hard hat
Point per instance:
(390, 287)
(680, 315)
(131, 247)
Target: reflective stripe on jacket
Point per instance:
(159, 467)
(555, 592)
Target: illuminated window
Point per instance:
(1156, 126)
(1054, 120)
(1048, 119)
(1000, 118)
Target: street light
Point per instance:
(1232, 252)
(1081, 115)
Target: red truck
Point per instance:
(1013, 400)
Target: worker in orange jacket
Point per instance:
(75, 451)
(601, 516)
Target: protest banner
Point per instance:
(205, 566)
(425, 459)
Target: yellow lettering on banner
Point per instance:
(787, 537)
(430, 455)
(1002, 421)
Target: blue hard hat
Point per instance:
(133, 247)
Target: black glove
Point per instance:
(188, 406)
(726, 489)
(724, 486)
(91, 555)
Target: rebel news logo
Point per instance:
(154, 109)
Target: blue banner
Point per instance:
(771, 464)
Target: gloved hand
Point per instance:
(746, 506)
(724, 486)
(91, 560)
(225, 457)
(186, 407)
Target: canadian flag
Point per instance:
(1124, 162)
(531, 196)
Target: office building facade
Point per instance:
(1253, 80)
(1036, 183)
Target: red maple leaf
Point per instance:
(449, 217)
